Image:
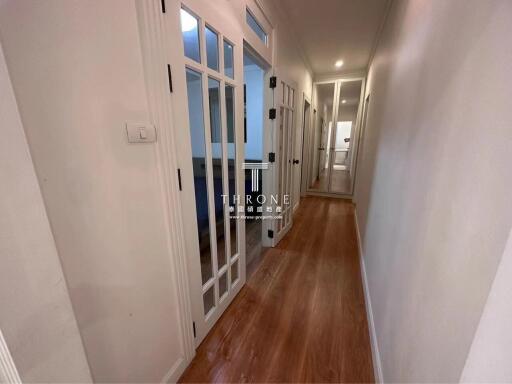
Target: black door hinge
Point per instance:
(179, 178)
(194, 328)
(270, 234)
(169, 75)
(273, 82)
(163, 5)
(272, 113)
(271, 157)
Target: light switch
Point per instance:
(141, 132)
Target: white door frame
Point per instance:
(306, 127)
(155, 51)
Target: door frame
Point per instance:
(266, 180)
(154, 47)
(305, 131)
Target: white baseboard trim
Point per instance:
(8, 372)
(377, 365)
(176, 371)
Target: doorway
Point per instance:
(255, 71)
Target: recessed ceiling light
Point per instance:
(343, 101)
(339, 64)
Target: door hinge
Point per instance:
(194, 328)
(271, 157)
(272, 113)
(270, 234)
(169, 75)
(179, 178)
(163, 5)
(273, 82)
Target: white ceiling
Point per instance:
(331, 30)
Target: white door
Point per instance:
(283, 144)
(206, 60)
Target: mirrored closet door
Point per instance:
(334, 135)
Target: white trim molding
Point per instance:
(8, 372)
(377, 365)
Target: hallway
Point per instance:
(301, 316)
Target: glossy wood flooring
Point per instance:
(301, 316)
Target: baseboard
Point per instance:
(8, 371)
(377, 366)
(176, 371)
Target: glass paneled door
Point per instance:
(279, 203)
(209, 151)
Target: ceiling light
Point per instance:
(339, 64)
(343, 101)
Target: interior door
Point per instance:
(284, 103)
(206, 61)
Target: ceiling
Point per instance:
(331, 30)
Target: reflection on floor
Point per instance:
(301, 316)
(340, 183)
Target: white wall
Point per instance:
(36, 317)
(433, 185)
(489, 356)
(77, 73)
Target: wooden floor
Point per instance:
(301, 316)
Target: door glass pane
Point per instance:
(212, 49)
(216, 138)
(234, 272)
(223, 284)
(344, 136)
(256, 27)
(228, 60)
(209, 300)
(190, 32)
(320, 138)
(197, 139)
(230, 118)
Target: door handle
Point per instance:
(321, 149)
(295, 161)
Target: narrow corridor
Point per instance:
(301, 316)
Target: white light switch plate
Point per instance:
(141, 132)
